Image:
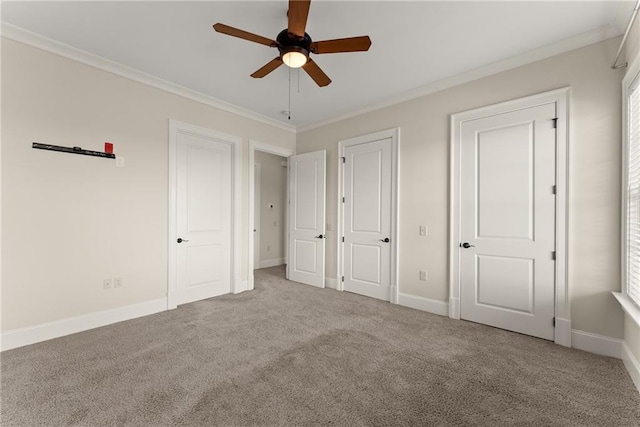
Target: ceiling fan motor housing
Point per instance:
(290, 43)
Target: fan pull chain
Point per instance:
(298, 80)
(289, 93)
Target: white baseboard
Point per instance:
(331, 283)
(46, 331)
(598, 344)
(632, 364)
(424, 304)
(563, 332)
(272, 262)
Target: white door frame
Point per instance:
(394, 134)
(279, 151)
(559, 97)
(257, 175)
(176, 127)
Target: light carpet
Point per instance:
(291, 354)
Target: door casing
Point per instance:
(257, 179)
(176, 127)
(394, 134)
(560, 97)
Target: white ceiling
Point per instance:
(414, 44)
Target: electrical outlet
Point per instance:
(107, 284)
(119, 161)
(423, 275)
(423, 230)
(118, 282)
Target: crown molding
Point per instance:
(38, 41)
(566, 45)
(29, 38)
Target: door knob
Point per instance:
(466, 245)
(320, 236)
(180, 240)
(385, 240)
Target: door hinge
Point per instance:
(344, 159)
(342, 239)
(343, 278)
(555, 123)
(554, 322)
(553, 255)
(343, 200)
(554, 189)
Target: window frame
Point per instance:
(631, 77)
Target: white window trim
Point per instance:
(627, 304)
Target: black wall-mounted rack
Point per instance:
(73, 150)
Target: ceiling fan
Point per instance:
(295, 45)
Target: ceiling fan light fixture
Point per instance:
(295, 57)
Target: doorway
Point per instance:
(368, 215)
(270, 209)
(267, 206)
(508, 216)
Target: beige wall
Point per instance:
(273, 191)
(631, 328)
(632, 45)
(594, 243)
(70, 221)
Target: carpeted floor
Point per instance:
(291, 354)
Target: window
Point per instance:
(631, 189)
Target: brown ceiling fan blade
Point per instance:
(298, 13)
(351, 44)
(231, 31)
(316, 73)
(269, 67)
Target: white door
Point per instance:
(507, 220)
(203, 217)
(306, 218)
(367, 219)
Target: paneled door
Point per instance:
(307, 190)
(204, 206)
(507, 220)
(367, 218)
